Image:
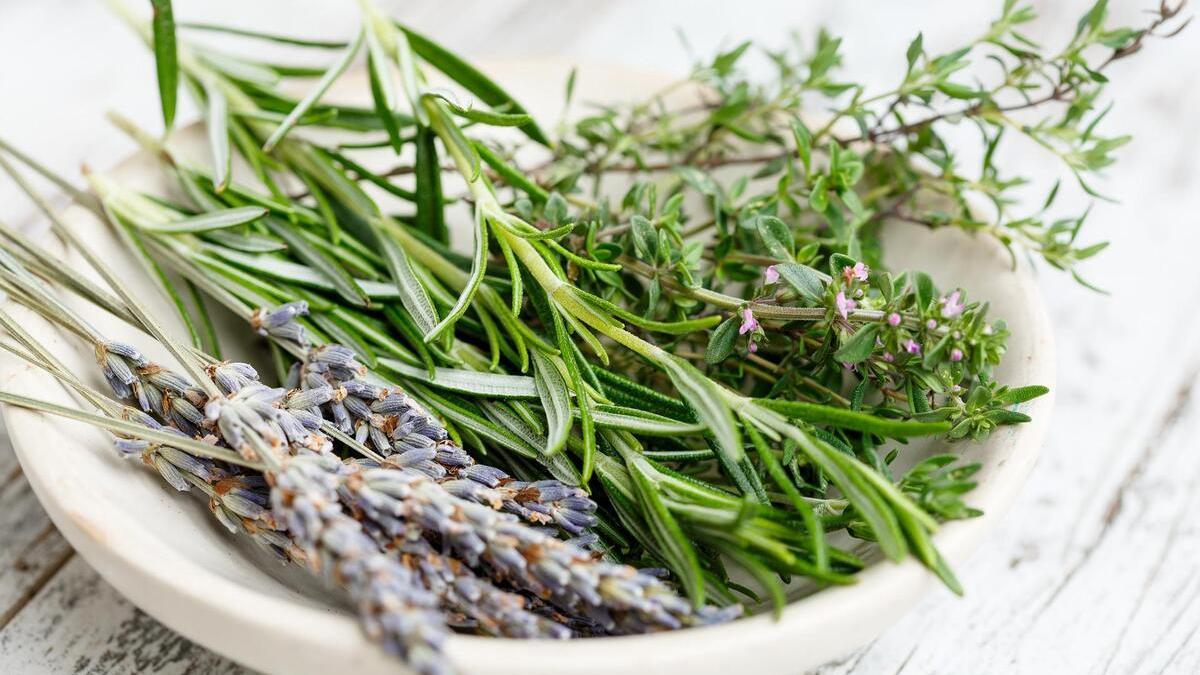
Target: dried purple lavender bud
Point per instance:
(281, 323)
(231, 376)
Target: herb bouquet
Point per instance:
(665, 373)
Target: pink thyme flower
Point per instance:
(952, 305)
(887, 356)
(753, 347)
(912, 347)
(844, 304)
(860, 272)
(893, 319)
(931, 324)
(771, 275)
(956, 355)
(749, 323)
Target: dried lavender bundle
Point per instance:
(397, 600)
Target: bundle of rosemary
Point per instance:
(671, 332)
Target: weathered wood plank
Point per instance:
(79, 624)
(31, 550)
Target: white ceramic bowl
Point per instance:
(164, 552)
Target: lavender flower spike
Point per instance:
(397, 427)
(393, 606)
(618, 597)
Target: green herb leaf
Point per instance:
(314, 95)
(206, 222)
(842, 418)
(720, 344)
(805, 280)
(165, 58)
(471, 79)
(776, 236)
(859, 346)
(556, 401)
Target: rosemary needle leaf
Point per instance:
(335, 71)
(206, 222)
(218, 135)
(471, 79)
(259, 35)
(666, 530)
(413, 295)
(326, 266)
(492, 385)
(478, 270)
(705, 398)
(814, 413)
(165, 58)
(511, 175)
(430, 210)
(556, 401)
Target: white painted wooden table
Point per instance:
(1095, 570)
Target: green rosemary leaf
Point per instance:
(217, 116)
(624, 390)
(640, 422)
(489, 117)
(302, 275)
(485, 428)
(768, 580)
(341, 280)
(383, 88)
(815, 413)
(413, 295)
(470, 78)
(165, 58)
(684, 327)
(666, 531)
(817, 543)
(205, 222)
(430, 211)
(478, 270)
(705, 398)
(556, 401)
(332, 74)
(259, 35)
(249, 243)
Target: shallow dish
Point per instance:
(164, 552)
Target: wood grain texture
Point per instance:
(1094, 571)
